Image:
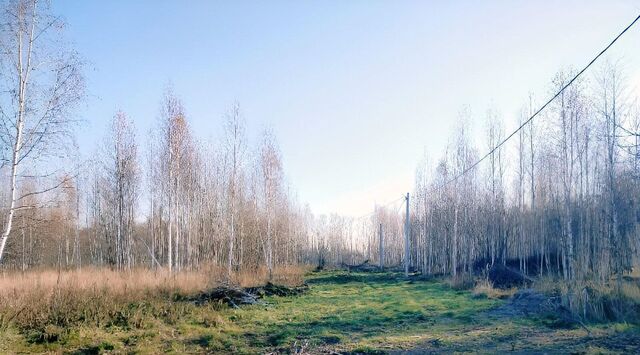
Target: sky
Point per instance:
(356, 91)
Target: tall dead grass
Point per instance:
(116, 282)
(142, 280)
(43, 303)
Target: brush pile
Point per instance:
(271, 289)
(236, 296)
(364, 267)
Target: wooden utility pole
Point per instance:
(381, 248)
(406, 238)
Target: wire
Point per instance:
(494, 149)
(465, 171)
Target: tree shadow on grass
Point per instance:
(203, 340)
(336, 328)
(94, 349)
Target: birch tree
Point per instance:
(120, 188)
(234, 148)
(271, 168)
(174, 136)
(41, 84)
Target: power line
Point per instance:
(465, 171)
(494, 149)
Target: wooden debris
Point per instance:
(364, 267)
(233, 297)
(236, 297)
(271, 289)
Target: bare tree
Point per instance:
(271, 167)
(234, 147)
(175, 142)
(120, 187)
(42, 83)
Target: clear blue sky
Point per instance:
(355, 90)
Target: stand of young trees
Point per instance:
(220, 204)
(564, 200)
(226, 204)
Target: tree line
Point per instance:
(560, 198)
(176, 203)
(562, 201)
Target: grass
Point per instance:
(343, 312)
(360, 310)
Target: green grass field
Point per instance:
(342, 312)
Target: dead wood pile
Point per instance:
(364, 267)
(235, 296)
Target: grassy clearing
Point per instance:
(350, 313)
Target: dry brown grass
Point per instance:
(116, 282)
(141, 280)
(45, 302)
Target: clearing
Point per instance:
(341, 313)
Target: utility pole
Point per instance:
(381, 248)
(406, 239)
